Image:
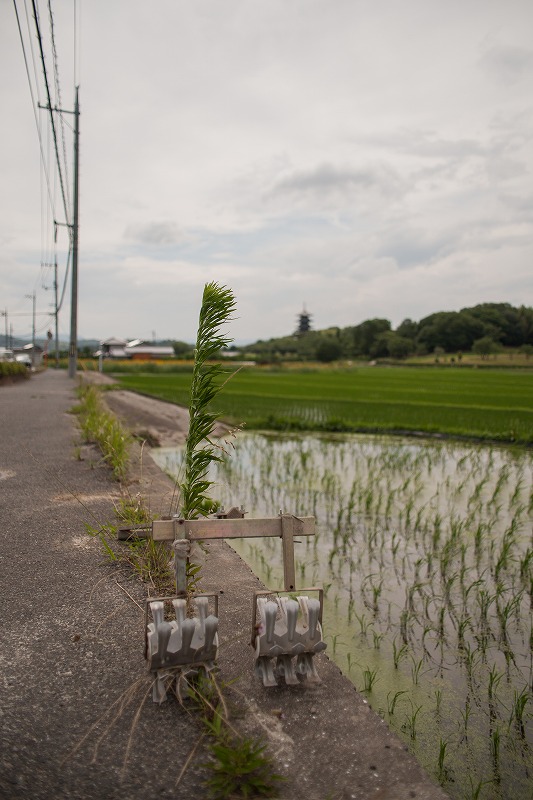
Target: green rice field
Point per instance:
(424, 550)
(483, 404)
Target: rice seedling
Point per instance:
(422, 553)
(351, 664)
(370, 676)
(495, 742)
(411, 721)
(364, 624)
(438, 700)
(520, 701)
(334, 640)
(474, 789)
(442, 769)
(392, 702)
(415, 670)
(494, 681)
(399, 653)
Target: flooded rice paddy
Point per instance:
(425, 552)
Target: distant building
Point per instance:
(139, 351)
(303, 322)
(112, 348)
(135, 349)
(27, 350)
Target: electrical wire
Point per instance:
(34, 105)
(32, 49)
(62, 165)
(50, 110)
(77, 47)
(58, 97)
(65, 280)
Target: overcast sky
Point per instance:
(364, 158)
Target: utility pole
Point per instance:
(32, 298)
(73, 342)
(4, 314)
(73, 345)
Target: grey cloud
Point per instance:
(521, 206)
(329, 180)
(414, 247)
(422, 143)
(509, 63)
(154, 233)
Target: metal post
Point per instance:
(287, 537)
(33, 331)
(32, 298)
(56, 315)
(73, 345)
(181, 547)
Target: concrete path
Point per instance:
(71, 638)
(76, 719)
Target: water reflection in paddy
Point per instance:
(426, 553)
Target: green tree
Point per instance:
(399, 346)
(182, 349)
(328, 350)
(485, 346)
(500, 322)
(365, 335)
(525, 324)
(451, 330)
(408, 329)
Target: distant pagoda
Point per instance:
(303, 322)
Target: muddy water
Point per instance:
(425, 551)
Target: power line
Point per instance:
(62, 162)
(34, 107)
(76, 46)
(50, 110)
(32, 50)
(65, 280)
(58, 96)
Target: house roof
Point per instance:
(151, 349)
(114, 342)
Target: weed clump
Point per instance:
(100, 427)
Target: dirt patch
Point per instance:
(8, 380)
(6, 473)
(158, 423)
(161, 424)
(84, 498)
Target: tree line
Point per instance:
(484, 329)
